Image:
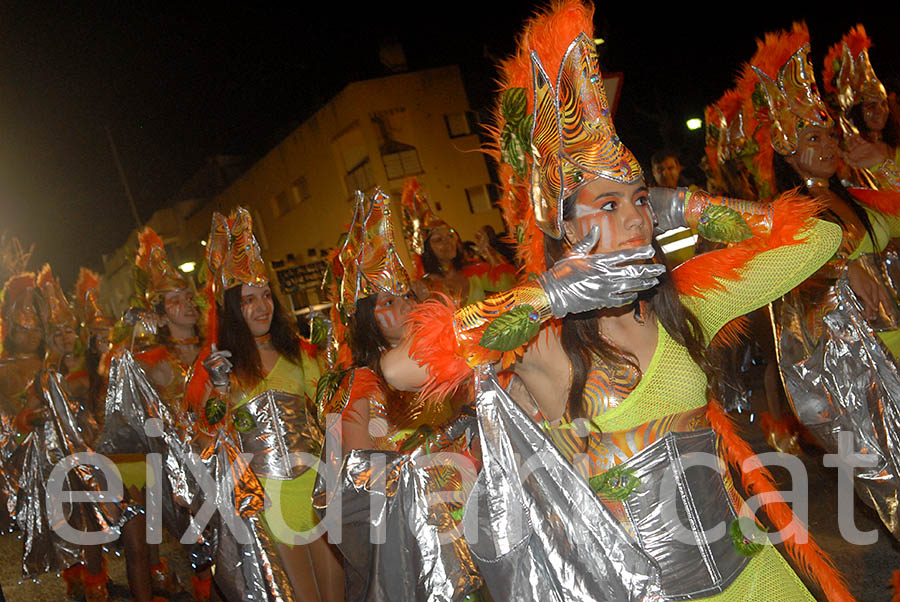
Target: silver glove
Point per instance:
(668, 208)
(218, 366)
(579, 282)
(146, 318)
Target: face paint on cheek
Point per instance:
(806, 158)
(388, 317)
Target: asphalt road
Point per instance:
(868, 568)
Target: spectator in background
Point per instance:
(667, 169)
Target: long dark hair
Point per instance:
(432, 265)
(235, 336)
(584, 347)
(163, 334)
(366, 339)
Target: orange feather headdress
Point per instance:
(788, 87)
(152, 259)
(58, 314)
(553, 131)
(233, 255)
(848, 75)
(18, 308)
(87, 301)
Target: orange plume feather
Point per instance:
(812, 560)
(792, 214)
(147, 239)
(12, 291)
(87, 280)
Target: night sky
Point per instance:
(176, 87)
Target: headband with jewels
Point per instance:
(87, 301)
(417, 218)
(368, 259)
(848, 75)
(18, 307)
(152, 260)
(57, 312)
(233, 255)
(788, 85)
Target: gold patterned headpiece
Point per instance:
(58, 314)
(368, 259)
(87, 301)
(418, 219)
(233, 254)
(848, 74)
(162, 277)
(788, 87)
(573, 139)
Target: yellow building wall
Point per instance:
(413, 107)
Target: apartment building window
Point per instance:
(402, 162)
(459, 124)
(360, 177)
(300, 190)
(479, 199)
(282, 203)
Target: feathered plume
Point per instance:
(87, 280)
(550, 32)
(12, 292)
(147, 240)
(856, 41)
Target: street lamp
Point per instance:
(188, 266)
(694, 124)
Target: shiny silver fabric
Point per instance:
(130, 402)
(278, 420)
(247, 565)
(399, 541)
(56, 438)
(580, 282)
(8, 476)
(680, 514)
(138, 420)
(536, 529)
(840, 378)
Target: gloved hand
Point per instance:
(146, 318)
(218, 366)
(579, 282)
(668, 208)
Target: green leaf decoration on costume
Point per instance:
(723, 224)
(327, 386)
(457, 513)
(512, 151)
(318, 331)
(242, 420)
(520, 235)
(758, 98)
(513, 104)
(424, 435)
(511, 329)
(215, 410)
(616, 484)
(524, 130)
(515, 137)
(745, 545)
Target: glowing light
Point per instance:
(681, 243)
(202, 243)
(598, 41)
(694, 124)
(188, 266)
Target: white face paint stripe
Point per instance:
(388, 317)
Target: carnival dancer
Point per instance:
(620, 392)
(838, 333)
(250, 392)
(170, 312)
(56, 427)
(96, 335)
(860, 102)
(378, 424)
(22, 358)
(437, 253)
